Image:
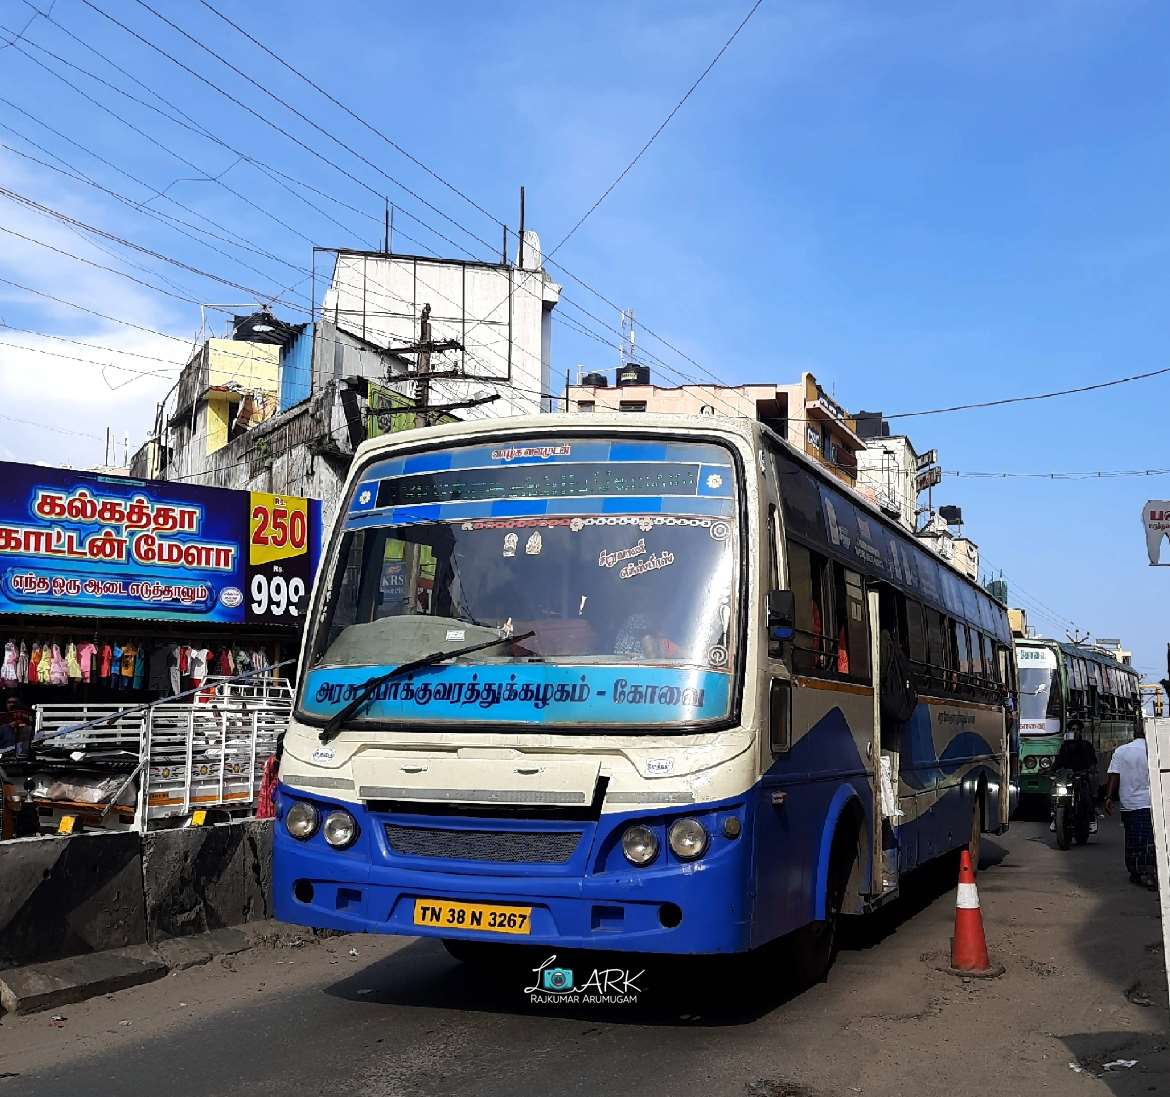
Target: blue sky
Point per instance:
(923, 203)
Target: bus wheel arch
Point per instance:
(845, 828)
(838, 889)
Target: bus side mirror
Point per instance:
(781, 615)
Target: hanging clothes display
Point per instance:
(85, 656)
(45, 666)
(86, 665)
(72, 664)
(197, 661)
(58, 673)
(129, 654)
(8, 671)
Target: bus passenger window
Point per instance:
(773, 550)
(839, 619)
(990, 674)
(853, 630)
(916, 631)
(806, 580)
(954, 663)
(983, 657)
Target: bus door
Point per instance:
(888, 626)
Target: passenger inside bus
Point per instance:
(841, 615)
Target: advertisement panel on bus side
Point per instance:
(85, 544)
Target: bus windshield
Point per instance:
(1041, 699)
(610, 607)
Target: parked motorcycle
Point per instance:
(1072, 806)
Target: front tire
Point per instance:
(975, 841)
(1063, 827)
(813, 948)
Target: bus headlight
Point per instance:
(639, 845)
(688, 839)
(1030, 762)
(340, 829)
(301, 820)
(1046, 762)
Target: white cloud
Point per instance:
(76, 392)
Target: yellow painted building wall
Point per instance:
(251, 366)
(217, 411)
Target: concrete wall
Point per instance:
(69, 896)
(495, 311)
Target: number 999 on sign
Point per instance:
(275, 596)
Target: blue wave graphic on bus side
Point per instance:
(528, 693)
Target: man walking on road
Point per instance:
(1129, 781)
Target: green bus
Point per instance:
(1071, 687)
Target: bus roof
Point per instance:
(741, 427)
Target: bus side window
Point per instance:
(916, 631)
(809, 620)
(954, 658)
(936, 646)
(773, 551)
(1001, 665)
(988, 663)
(852, 631)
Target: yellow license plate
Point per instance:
(481, 917)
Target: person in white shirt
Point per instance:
(1128, 783)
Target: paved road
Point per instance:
(401, 1019)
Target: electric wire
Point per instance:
(450, 186)
(49, 426)
(324, 159)
(654, 136)
(524, 285)
(186, 121)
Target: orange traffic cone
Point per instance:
(969, 945)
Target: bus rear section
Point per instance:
(582, 776)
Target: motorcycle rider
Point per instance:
(1078, 755)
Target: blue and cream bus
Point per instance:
(649, 683)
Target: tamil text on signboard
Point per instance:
(83, 544)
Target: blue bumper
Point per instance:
(592, 899)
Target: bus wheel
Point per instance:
(975, 842)
(814, 947)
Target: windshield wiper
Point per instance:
(333, 725)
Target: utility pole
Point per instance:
(520, 250)
(386, 229)
(422, 387)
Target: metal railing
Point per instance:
(204, 749)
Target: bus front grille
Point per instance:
(514, 847)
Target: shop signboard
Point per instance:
(1156, 519)
(84, 544)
